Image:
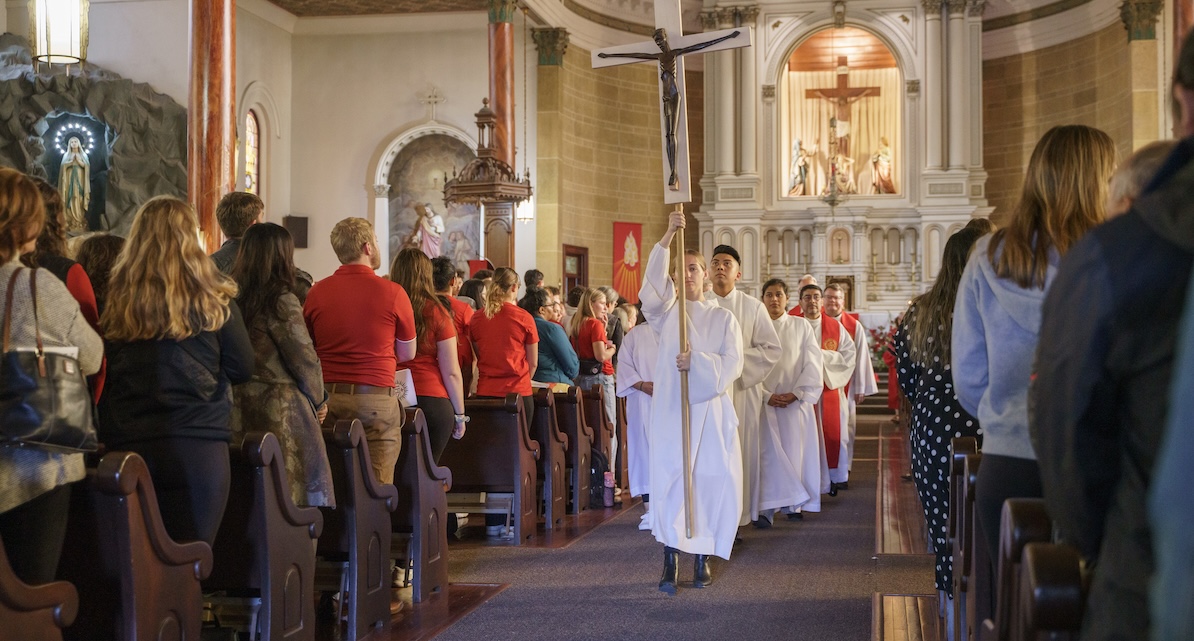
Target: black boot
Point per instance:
(833, 489)
(702, 575)
(671, 573)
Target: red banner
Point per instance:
(628, 260)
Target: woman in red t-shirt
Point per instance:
(435, 369)
(596, 353)
(506, 343)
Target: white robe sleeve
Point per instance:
(810, 381)
(712, 373)
(658, 293)
(864, 370)
(760, 357)
(628, 369)
(839, 363)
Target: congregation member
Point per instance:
(97, 255)
(922, 369)
(760, 353)
(446, 280)
(596, 352)
(34, 483)
(1099, 415)
(838, 355)
(792, 472)
(615, 327)
(553, 294)
(636, 383)
(1134, 174)
(285, 396)
(558, 362)
(236, 212)
(713, 360)
(176, 344)
(807, 279)
(532, 279)
(472, 291)
(435, 369)
(362, 326)
(863, 383)
(997, 314)
(570, 304)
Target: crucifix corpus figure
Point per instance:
(842, 96)
(708, 342)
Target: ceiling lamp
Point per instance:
(59, 30)
(487, 179)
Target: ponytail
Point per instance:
(499, 290)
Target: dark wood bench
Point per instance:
(553, 466)
(622, 465)
(354, 548)
(495, 459)
(263, 579)
(1052, 594)
(34, 612)
(420, 524)
(1023, 521)
(965, 531)
(135, 583)
(593, 406)
(578, 452)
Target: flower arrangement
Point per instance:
(880, 339)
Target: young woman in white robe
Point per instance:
(793, 389)
(713, 362)
(636, 383)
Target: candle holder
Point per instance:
(891, 287)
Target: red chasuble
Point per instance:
(831, 401)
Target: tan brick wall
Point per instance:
(609, 158)
(1087, 81)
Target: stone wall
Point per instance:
(1086, 81)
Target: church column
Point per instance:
(820, 245)
(211, 111)
(957, 83)
(501, 75)
(748, 161)
(725, 98)
(551, 45)
(1140, 19)
(860, 259)
(933, 83)
(974, 75)
(381, 222)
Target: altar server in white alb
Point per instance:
(760, 353)
(713, 361)
(833, 411)
(636, 383)
(863, 382)
(793, 387)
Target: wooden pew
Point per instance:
(135, 583)
(496, 456)
(622, 465)
(552, 463)
(965, 550)
(1023, 521)
(355, 544)
(34, 612)
(1052, 593)
(961, 448)
(420, 524)
(579, 447)
(264, 562)
(593, 406)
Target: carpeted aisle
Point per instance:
(798, 580)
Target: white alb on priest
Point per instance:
(838, 350)
(636, 383)
(863, 382)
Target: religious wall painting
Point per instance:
(841, 121)
(418, 215)
(628, 260)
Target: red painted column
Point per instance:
(501, 75)
(211, 111)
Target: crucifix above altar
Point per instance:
(843, 96)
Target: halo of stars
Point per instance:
(74, 130)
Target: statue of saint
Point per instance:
(74, 184)
(881, 178)
(841, 171)
(801, 161)
(428, 233)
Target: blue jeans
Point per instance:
(606, 381)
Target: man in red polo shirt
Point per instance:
(362, 326)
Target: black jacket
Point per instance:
(1098, 403)
(169, 388)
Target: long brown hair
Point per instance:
(163, 286)
(1064, 195)
(412, 270)
(264, 271)
(930, 325)
(499, 290)
(584, 310)
(22, 212)
(52, 239)
(97, 254)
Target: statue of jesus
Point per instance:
(671, 94)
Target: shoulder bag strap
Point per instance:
(41, 353)
(8, 308)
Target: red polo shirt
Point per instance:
(354, 316)
(462, 316)
(501, 342)
(424, 367)
(591, 331)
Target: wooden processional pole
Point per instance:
(685, 408)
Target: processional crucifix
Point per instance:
(670, 45)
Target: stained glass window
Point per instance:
(252, 154)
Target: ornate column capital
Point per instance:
(932, 7)
(768, 93)
(956, 7)
(975, 8)
(1140, 18)
(912, 87)
(708, 20)
(820, 228)
(381, 191)
(551, 43)
(725, 16)
(502, 10)
(860, 228)
(748, 14)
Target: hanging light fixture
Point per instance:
(58, 29)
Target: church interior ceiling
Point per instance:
(313, 8)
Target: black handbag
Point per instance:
(590, 367)
(44, 399)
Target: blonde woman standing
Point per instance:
(176, 344)
(596, 352)
(506, 342)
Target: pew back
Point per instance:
(578, 449)
(420, 522)
(552, 464)
(34, 612)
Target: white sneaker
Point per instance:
(494, 531)
(645, 522)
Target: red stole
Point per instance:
(796, 311)
(831, 401)
(850, 322)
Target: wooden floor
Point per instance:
(573, 528)
(899, 519)
(907, 617)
